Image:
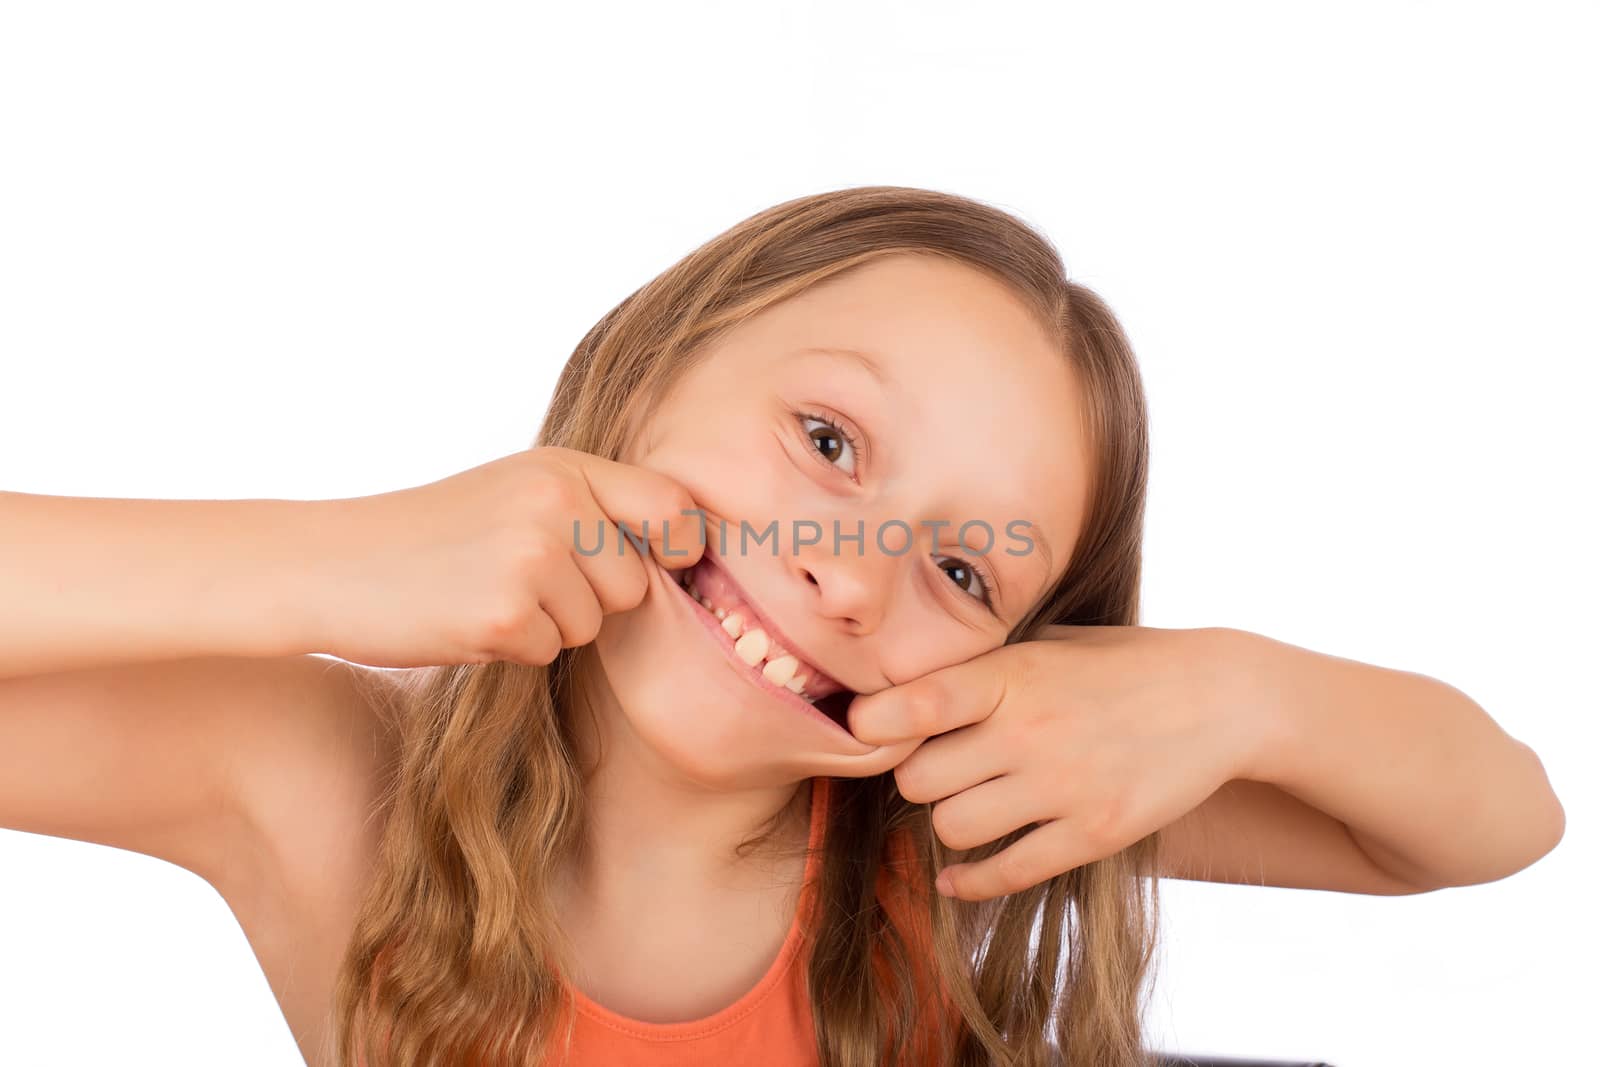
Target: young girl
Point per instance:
(605, 772)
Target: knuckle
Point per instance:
(539, 648)
(508, 622)
(676, 499)
(1008, 867)
(613, 600)
(502, 630)
(1102, 826)
(923, 708)
(555, 492)
(589, 627)
(623, 594)
(537, 552)
(637, 585)
(948, 829)
(639, 575)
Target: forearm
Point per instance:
(90, 581)
(1430, 787)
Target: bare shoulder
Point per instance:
(313, 790)
(311, 786)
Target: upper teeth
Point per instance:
(754, 645)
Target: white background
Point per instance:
(316, 250)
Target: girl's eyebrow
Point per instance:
(851, 355)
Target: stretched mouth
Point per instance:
(759, 644)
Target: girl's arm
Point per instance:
(157, 691)
(1365, 779)
(95, 581)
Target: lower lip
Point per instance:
(713, 626)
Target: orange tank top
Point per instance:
(769, 1025)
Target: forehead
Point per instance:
(970, 406)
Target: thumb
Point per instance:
(655, 512)
(878, 761)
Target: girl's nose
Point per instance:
(853, 589)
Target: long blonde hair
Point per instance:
(457, 956)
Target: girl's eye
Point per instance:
(832, 440)
(967, 577)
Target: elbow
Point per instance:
(1553, 825)
(1540, 843)
(1556, 831)
(1538, 831)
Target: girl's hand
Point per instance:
(1100, 734)
(483, 566)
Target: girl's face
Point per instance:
(960, 410)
